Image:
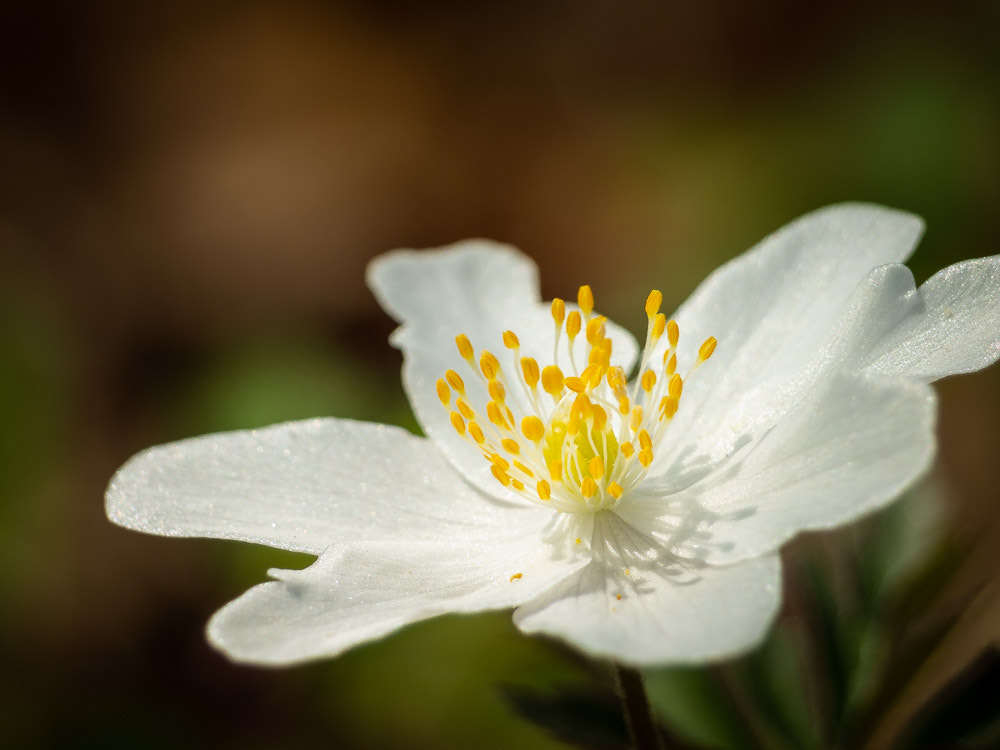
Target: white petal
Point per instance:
(481, 289)
(771, 309)
(950, 325)
(359, 592)
(670, 610)
(852, 449)
(302, 486)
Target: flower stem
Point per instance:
(635, 706)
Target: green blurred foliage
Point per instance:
(190, 194)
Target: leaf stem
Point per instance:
(635, 706)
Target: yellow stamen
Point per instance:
(533, 428)
(648, 380)
(455, 381)
(558, 311)
(444, 392)
(676, 386)
(501, 475)
(646, 458)
(529, 368)
(573, 324)
(523, 469)
(489, 364)
(668, 407)
(659, 323)
(500, 461)
(497, 392)
(585, 298)
(653, 302)
(626, 449)
(517, 484)
(555, 471)
(595, 330)
(706, 349)
(588, 488)
(575, 384)
(458, 423)
(552, 381)
(464, 408)
(477, 433)
(636, 419)
(596, 467)
(494, 414)
(673, 333)
(464, 347)
(510, 340)
(644, 440)
(615, 490)
(515, 577)
(544, 490)
(511, 446)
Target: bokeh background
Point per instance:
(190, 192)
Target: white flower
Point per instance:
(638, 522)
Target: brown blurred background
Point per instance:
(190, 193)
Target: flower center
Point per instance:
(577, 442)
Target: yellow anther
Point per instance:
(552, 380)
(673, 333)
(676, 386)
(529, 368)
(575, 384)
(501, 475)
(648, 380)
(644, 440)
(596, 467)
(669, 362)
(624, 405)
(573, 324)
(558, 311)
(706, 349)
(653, 302)
(497, 392)
(578, 541)
(659, 323)
(510, 340)
(464, 408)
(595, 330)
(615, 490)
(464, 347)
(617, 381)
(668, 407)
(626, 449)
(600, 417)
(494, 414)
(517, 484)
(544, 490)
(499, 461)
(555, 471)
(523, 469)
(515, 577)
(588, 488)
(477, 433)
(444, 392)
(636, 419)
(646, 458)
(458, 423)
(593, 373)
(533, 428)
(600, 356)
(510, 445)
(583, 406)
(489, 364)
(455, 381)
(585, 299)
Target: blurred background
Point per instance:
(190, 193)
